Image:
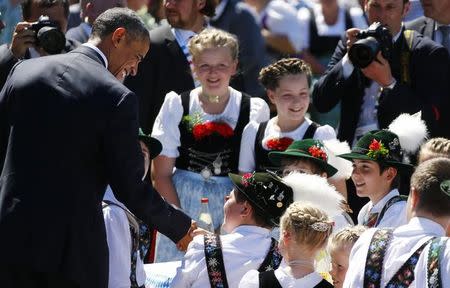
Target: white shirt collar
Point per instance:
(183, 35)
(251, 229)
(219, 10)
(105, 60)
(286, 280)
(421, 225)
(394, 39)
(379, 206)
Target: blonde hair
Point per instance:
(310, 225)
(346, 237)
(433, 148)
(213, 38)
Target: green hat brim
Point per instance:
(402, 167)
(154, 146)
(277, 156)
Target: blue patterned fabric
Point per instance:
(191, 187)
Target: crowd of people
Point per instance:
(317, 129)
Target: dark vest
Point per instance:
(262, 162)
(213, 152)
(268, 279)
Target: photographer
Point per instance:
(24, 42)
(413, 78)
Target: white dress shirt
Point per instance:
(405, 241)
(118, 236)
(284, 277)
(166, 130)
(247, 154)
(243, 250)
(393, 217)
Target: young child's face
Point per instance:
(367, 178)
(214, 68)
(291, 97)
(300, 166)
(339, 264)
(232, 210)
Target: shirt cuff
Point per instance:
(347, 66)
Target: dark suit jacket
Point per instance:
(163, 69)
(67, 129)
(428, 71)
(238, 19)
(77, 33)
(7, 59)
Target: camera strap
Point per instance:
(405, 56)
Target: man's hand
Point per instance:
(379, 71)
(184, 242)
(351, 37)
(22, 39)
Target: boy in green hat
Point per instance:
(377, 164)
(251, 210)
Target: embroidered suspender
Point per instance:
(273, 258)
(388, 204)
(435, 251)
(214, 261)
(375, 256)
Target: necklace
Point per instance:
(211, 98)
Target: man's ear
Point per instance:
(201, 4)
(406, 8)
(413, 198)
(246, 209)
(118, 36)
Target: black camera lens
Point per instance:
(363, 52)
(51, 39)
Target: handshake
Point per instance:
(193, 231)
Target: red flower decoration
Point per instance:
(375, 145)
(317, 152)
(203, 130)
(279, 144)
(246, 179)
(377, 150)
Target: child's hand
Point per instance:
(184, 242)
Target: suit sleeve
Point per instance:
(4, 122)
(7, 61)
(333, 86)
(124, 164)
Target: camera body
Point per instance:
(48, 35)
(372, 40)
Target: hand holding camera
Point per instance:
(23, 38)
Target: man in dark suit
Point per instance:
(236, 17)
(166, 68)
(90, 9)
(68, 128)
(374, 96)
(436, 26)
(23, 44)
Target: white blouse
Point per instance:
(166, 129)
(240, 255)
(247, 154)
(284, 277)
(393, 217)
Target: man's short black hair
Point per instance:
(114, 18)
(26, 6)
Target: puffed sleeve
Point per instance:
(325, 132)
(119, 244)
(250, 280)
(192, 264)
(247, 152)
(259, 110)
(165, 128)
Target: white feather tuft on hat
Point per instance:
(315, 190)
(335, 147)
(411, 131)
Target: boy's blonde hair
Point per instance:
(213, 38)
(346, 237)
(433, 148)
(310, 225)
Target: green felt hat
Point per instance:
(153, 145)
(308, 148)
(269, 194)
(381, 146)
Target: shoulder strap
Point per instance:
(388, 205)
(435, 252)
(273, 258)
(244, 114)
(405, 275)
(309, 134)
(268, 279)
(375, 257)
(185, 97)
(214, 261)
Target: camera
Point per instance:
(48, 35)
(372, 40)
